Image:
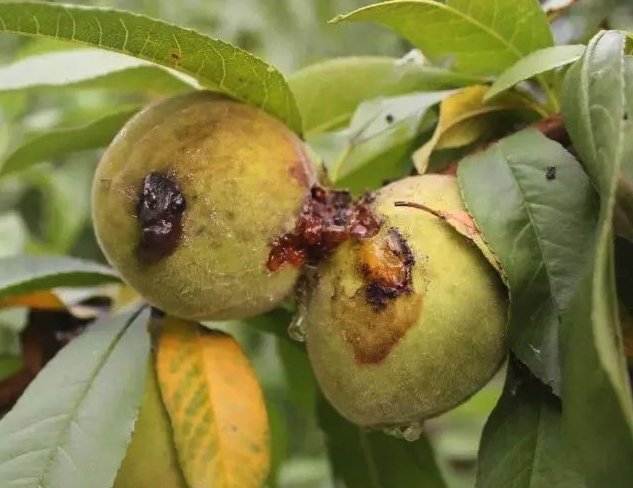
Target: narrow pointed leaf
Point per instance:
(216, 407)
(539, 231)
(485, 36)
(593, 363)
(90, 68)
(73, 424)
(214, 63)
(60, 142)
(534, 64)
(21, 275)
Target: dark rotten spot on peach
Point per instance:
(159, 214)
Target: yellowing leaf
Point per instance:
(462, 222)
(43, 300)
(216, 407)
(464, 117)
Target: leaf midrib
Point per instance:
(70, 416)
(440, 6)
(535, 230)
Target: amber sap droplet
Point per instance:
(327, 219)
(160, 208)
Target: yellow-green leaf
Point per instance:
(464, 118)
(43, 300)
(150, 460)
(216, 407)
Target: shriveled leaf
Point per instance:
(462, 222)
(380, 126)
(464, 118)
(90, 69)
(216, 407)
(521, 446)
(534, 64)
(362, 459)
(47, 331)
(59, 142)
(150, 460)
(72, 425)
(329, 92)
(43, 300)
(593, 363)
(214, 63)
(479, 37)
(537, 210)
(22, 274)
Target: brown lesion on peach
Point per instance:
(385, 265)
(373, 336)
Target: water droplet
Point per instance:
(297, 328)
(409, 433)
(413, 432)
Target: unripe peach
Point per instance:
(410, 322)
(188, 198)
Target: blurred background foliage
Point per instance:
(46, 208)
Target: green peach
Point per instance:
(151, 460)
(237, 178)
(411, 322)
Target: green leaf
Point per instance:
(362, 459)
(479, 37)
(59, 142)
(25, 274)
(66, 191)
(593, 364)
(594, 108)
(278, 443)
(300, 378)
(90, 69)
(534, 64)
(214, 63)
(13, 234)
(538, 230)
(378, 127)
(9, 364)
(521, 446)
(329, 92)
(72, 425)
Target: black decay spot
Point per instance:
(550, 173)
(389, 118)
(159, 214)
(625, 116)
